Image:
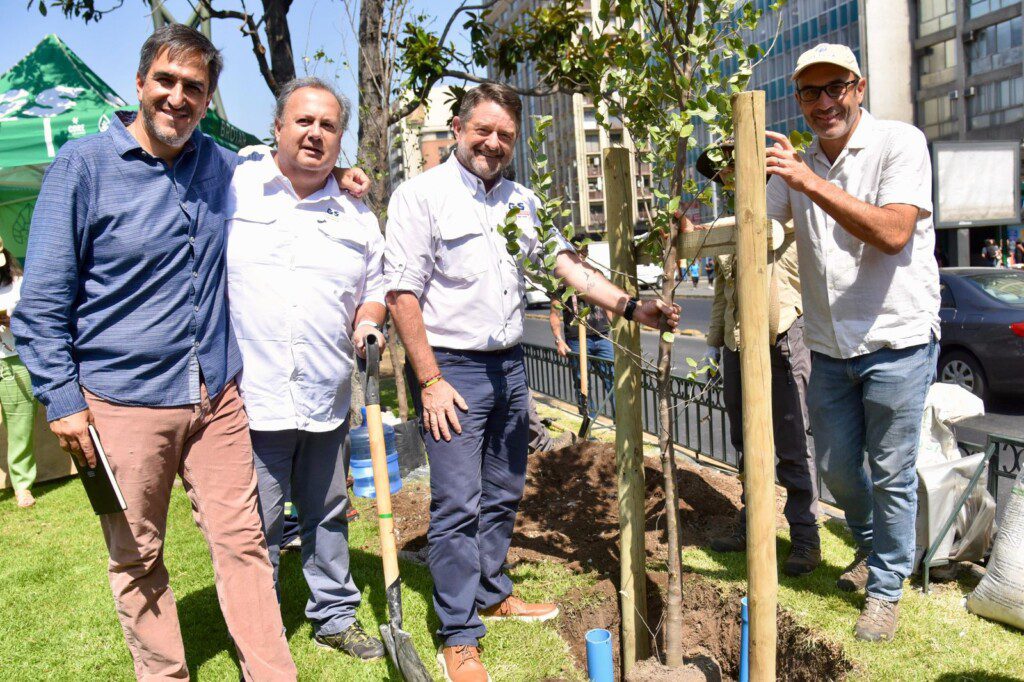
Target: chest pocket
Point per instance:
(463, 254)
(253, 238)
(342, 253)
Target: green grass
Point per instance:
(57, 618)
(937, 639)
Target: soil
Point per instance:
(569, 514)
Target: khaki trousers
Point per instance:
(208, 445)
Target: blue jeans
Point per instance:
(476, 482)
(873, 404)
(598, 347)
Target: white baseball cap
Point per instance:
(827, 53)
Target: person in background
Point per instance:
(305, 290)
(694, 271)
(16, 402)
(990, 253)
(1018, 254)
(711, 270)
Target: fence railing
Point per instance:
(700, 422)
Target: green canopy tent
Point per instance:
(46, 99)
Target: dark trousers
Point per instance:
(791, 369)
(476, 482)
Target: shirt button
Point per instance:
(196, 344)
(195, 273)
(195, 308)
(191, 240)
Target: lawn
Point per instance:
(57, 618)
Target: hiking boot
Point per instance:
(877, 620)
(737, 542)
(801, 560)
(353, 641)
(855, 576)
(514, 608)
(461, 663)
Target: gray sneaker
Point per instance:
(802, 560)
(855, 576)
(878, 620)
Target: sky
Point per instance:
(111, 48)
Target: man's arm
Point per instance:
(555, 320)
(595, 288)
(888, 228)
(371, 306)
(42, 319)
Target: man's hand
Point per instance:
(352, 180)
(784, 161)
(562, 347)
(439, 402)
(72, 433)
(652, 311)
(359, 339)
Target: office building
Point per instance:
(421, 140)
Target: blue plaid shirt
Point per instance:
(124, 278)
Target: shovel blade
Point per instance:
(403, 654)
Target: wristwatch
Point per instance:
(630, 308)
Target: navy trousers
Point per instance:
(476, 482)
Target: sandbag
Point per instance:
(1000, 594)
(944, 404)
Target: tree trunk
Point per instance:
(279, 41)
(373, 106)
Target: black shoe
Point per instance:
(353, 641)
(737, 542)
(801, 561)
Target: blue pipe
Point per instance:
(744, 642)
(599, 656)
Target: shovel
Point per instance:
(397, 641)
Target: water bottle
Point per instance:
(359, 461)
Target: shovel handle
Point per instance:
(379, 461)
(584, 370)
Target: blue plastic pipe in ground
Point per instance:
(744, 642)
(599, 656)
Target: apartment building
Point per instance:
(421, 140)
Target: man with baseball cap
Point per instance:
(860, 198)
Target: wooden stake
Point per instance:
(584, 370)
(755, 367)
(629, 456)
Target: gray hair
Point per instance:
(499, 93)
(181, 40)
(289, 89)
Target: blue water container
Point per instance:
(361, 467)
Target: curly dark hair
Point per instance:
(10, 270)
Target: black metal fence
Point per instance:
(700, 423)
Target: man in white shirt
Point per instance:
(860, 197)
(456, 295)
(304, 264)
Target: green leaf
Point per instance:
(668, 337)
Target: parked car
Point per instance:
(535, 296)
(982, 316)
(647, 276)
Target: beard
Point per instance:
(167, 135)
(479, 168)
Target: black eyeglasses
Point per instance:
(811, 93)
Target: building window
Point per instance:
(935, 117)
(935, 15)
(593, 144)
(980, 7)
(997, 103)
(996, 46)
(938, 64)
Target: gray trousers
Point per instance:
(791, 369)
(540, 439)
(307, 469)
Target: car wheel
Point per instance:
(963, 369)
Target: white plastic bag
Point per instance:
(1000, 594)
(945, 403)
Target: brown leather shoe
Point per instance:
(514, 608)
(461, 663)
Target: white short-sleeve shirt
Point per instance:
(297, 270)
(858, 299)
(444, 246)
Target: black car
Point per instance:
(982, 314)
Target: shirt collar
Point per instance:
(472, 182)
(125, 142)
(274, 180)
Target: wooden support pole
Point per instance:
(629, 459)
(756, 371)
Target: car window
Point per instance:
(946, 296)
(1007, 287)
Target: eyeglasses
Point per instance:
(834, 90)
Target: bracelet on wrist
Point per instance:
(630, 308)
(368, 323)
(431, 381)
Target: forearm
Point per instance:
(590, 283)
(405, 310)
(555, 320)
(879, 226)
(371, 311)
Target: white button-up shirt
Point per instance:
(297, 271)
(858, 299)
(444, 246)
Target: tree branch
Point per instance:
(250, 28)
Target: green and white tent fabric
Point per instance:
(46, 99)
